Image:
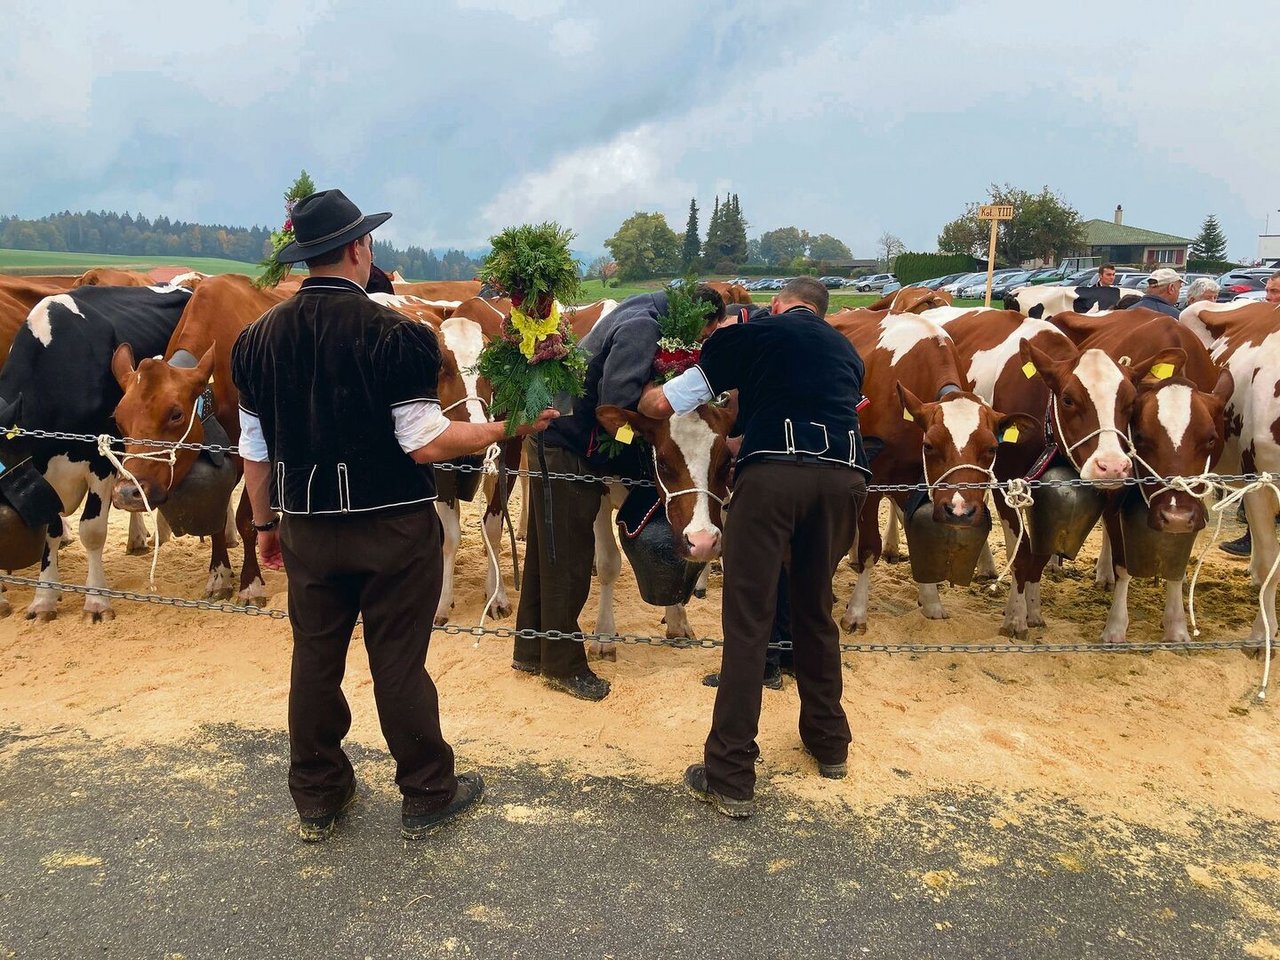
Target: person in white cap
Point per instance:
(1163, 287)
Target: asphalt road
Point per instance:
(189, 852)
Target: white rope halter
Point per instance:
(670, 495)
(167, 455)
(1070, 450)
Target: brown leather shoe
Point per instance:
(695, 781)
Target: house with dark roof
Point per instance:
(1114, 242)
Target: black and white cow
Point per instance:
(1042, 302)
(60, 366)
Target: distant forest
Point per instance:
(120, 233)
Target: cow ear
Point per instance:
(1159, 366)
(1224, 388)
(614, 419)
(205, 366)
(1036, 361)
(122, 365)
(912, 407)
(1018, 428)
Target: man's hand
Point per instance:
(543, 421)
(654, 403)
(269, 550)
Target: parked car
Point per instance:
(1133, 281)
(831, 283)
(977, 289)
(964, 280)
(1081, 278)
(1010, 281)
(1044, 275)
(876, 282)
(938, 282)
(1244, 280)
(1260, 295)
(893, 286)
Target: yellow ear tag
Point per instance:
(1162, 371)
(11, 434)
(906, 414)
(625, 434)
(1010, 435)
(1028, 369)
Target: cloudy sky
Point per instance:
(463, 116)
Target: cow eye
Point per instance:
(1067, 401)
(175, 415)
(928, 447)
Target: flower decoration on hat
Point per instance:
(272, 271)
(536, 362)
(679, 348)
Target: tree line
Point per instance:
(645, 246)
(138, 236)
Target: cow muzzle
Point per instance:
(1173, 512)
(128, 495)
(702, 546)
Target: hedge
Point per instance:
(1214, 267)
(911, 268)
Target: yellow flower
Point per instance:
(533, 330)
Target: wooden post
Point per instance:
(995, 212)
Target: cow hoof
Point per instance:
(220, 593)
(137, 549)
(1104, 583)
(602, 650)
(892, 557)
(5, 610)
(1013, 632)
(1033, 621)
(700, 593)
(42, 616)
(499, 611)
(679, 634)
(97, 616)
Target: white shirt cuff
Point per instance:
(418, 423)
(688, 391)
(253, 445)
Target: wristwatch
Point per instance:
(269, 525)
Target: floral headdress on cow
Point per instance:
(272, 271)
(536, 361)
(680, 346)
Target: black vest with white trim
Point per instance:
(799, 382)
(323, 371)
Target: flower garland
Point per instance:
(679, 347)
(272, 271)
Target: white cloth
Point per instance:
(417, 423)
(687, 391)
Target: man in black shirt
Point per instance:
(799, 484)
(340, 421)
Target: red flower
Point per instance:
(288, 225)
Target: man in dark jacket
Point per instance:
(1163, 287)
(798, 487)
(340, 421)
(622, 346)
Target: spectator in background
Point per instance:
(1273, 288)
(1162, 291)
(1202, 288)
(1106, 275)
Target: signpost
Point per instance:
(995, 212)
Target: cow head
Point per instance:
(1177, 431)
(464, 396)
(159, 403)
(1091, 403)
(693, 465)
(960, 437)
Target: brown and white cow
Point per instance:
(1244, 338)
(1025, 365)
(912, 300)
(953, 437)
(159, 403)
(730, 292)
(447, 290)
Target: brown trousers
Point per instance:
(808, 514)
(552, 595)
(387, 567)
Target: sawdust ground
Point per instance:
(1156, 738)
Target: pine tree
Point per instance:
(692, 244)
(1211, 244)
(735, 234)
(715, 230)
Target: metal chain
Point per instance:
(1210, 478)
(680, 643)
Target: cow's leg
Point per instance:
(220, 584)
(608, 569)
(986, 568)
(233, 534)
(930, 599)
(253, 588)
(1104, 574)
(678, 626)
(93, 535)
(867, 547)
(451, 521)
(891, 552)
(1035, 618)
(700, 588)
(1027, 570)
(494, 586)
(1117, 627)
(44, 605)
(1175, 613)
(1260, 509)
(139, 540)
(163, 530)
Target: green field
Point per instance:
(593, 290)
(42, 261)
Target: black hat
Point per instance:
(325, 221)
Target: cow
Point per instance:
(692, 467)
(1244, 338)
(1027, 365)
(912, 300)
(951, 433)
(109, 277)
(60, 365)
(1176, 430)
(447, 290)
(159, 402)
(730, 292)
(1039, 302)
